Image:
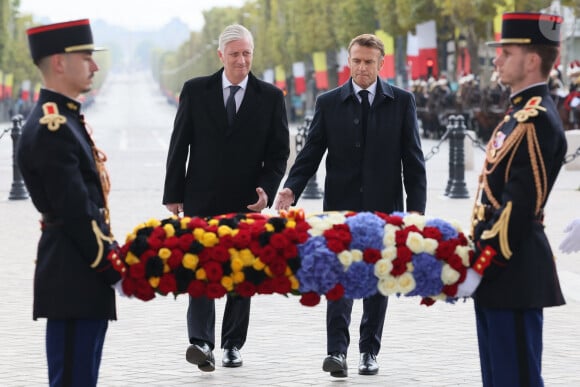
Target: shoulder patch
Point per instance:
(51, 118)
(530, 109)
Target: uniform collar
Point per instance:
(64, 103)
(538, 89)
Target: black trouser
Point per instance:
(371, 325)
(201, 321)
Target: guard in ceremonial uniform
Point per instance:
(513, 262)
(68, 184)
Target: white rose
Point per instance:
(463, 253)
(415, 242)
(406, 283)
(357, 255)
(389, 237)
(449, 275)
(345, 257)
(456, 225)
(430, 245)
(383, 267)
(387, 286)
(416, 220)
(389, 253)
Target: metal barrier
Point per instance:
(456, 187)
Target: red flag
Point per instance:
(299, 73)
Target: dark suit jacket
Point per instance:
(527, 279)
(364, 175)
(226, 164)
(73, 277)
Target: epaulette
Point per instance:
(52, 119)
(530, 109)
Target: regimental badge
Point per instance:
(529, 110)
(51, 118)
(498, 140)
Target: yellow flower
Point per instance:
(258, 264)
(294, 284)
(153, 222)
(198, 233)
(269, 228)
(268, 272)
(449, 275)
(238, 277)
(184, 222)
(209, 239)
(164, 253)
(291, 224)
(154, 282)
(130, 237)
(213, 222)
(288, 271)
(169, 230)
(224, 230)
(200, 274)
(166, 268)
(247, 257)
(237, 264)
(131, 258)
(190, 261)
(228, 283)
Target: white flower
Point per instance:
(406, 283)
(389, 234)
(383, 267)
(415, 219)
(388, 286)
(357, 255)
(463, 252)
(449, 275)
(456, 225)
(345, 257)
(415, 242)
(430, 245)
(389, 253)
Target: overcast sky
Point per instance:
(133, 14)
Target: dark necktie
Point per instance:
(365, 106)
(231, 104)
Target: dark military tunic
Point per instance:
(523, 159)
(73, 277)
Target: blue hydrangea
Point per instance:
(427, 274)
(320, 270)
(367, 231)
(359, 280)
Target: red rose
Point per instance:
(137, 270)
(226, 242)
(129, 286)
(290, 251)
(335, 245)
(219, 253)
(433, 233)
(404, 254)
(167, 284)
(277, 267)
(175, 259)
(445, 249)
(455, 262)
(268, 254)
(281, 285)
(213, 271)
(427, 301)
(215, 290)
(450, 290)
(279, 241)
(399, 267)
(154, 243)
(371, 255)
(185, 241)
(242, 239)
(335, 293)
(143, 290)
(146, 255)
(196, 288)
(172, 242)
(310, 299)
(255, 248)
(266, 287)
(246, 289)
(197, 222)
(291, 234)
(158, 233)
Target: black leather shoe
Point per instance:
(202, 356)
(232, 358)
(368, 364)
(335, 363)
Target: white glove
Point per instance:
(468, 286)
(571, 242)
(118, 286)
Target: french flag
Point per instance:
(422, 50)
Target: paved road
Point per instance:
(422, 346)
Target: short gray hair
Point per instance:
(234, 32)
